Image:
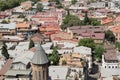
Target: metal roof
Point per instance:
(39, 57)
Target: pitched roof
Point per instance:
(8, 26)
(115, 29)
(39, 57)
(61, 35)
(107, 20)
(22, 25)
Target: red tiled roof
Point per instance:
(116, 29)
(61, 36)
(50, 27)
(107, 20)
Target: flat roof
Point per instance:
(17, 72)
(58, 72)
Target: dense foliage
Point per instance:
(73, 1)
(71, 20)
(4, 51)
(109, 36)
(31, 44)
(8, 4)
(99, 50)
(39, 7)
(58, 3)
(117, 44)
(54, 57)
(5, 22)
(88, 42)
(91, 21)
(86, 20)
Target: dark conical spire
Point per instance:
(39, 57)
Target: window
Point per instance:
(105, 66)
(35, 75)
(116, 67)
(44, 74)
(112, 66)
(109, 66)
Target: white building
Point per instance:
(86, 52)
(64, 73)
(22, 46)
(110, 64)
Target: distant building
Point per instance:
(49, 17)
(25, 28)
(8, 29)
(77, 57)
(94, 32)
(110, 67)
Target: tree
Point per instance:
(4, 44)
(99, 50)
(31, 44)
(39, 7)
(4, 22)
(109, 36)
(95, 22)
(54, 57)
(117, 45)
(73, 1)
(5, 52)
(71, 20)
(88, 42)
(59, 6)
(56, 1)
(26, 19)
(86, 20)
(21, 16)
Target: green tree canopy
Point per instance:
(109, 36)
(4, 51)
(117, 44)
(57, 1)
(71, 20)
(39, 7)
(99, 50)
(94, 22)
(73, 1)
(31, 44)
(4, 44)
(54, 57)
(8, 4)
(21, 16)
(91, 21)
(26, 19)
(86, 20)
(4, 22)
(88, 42)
